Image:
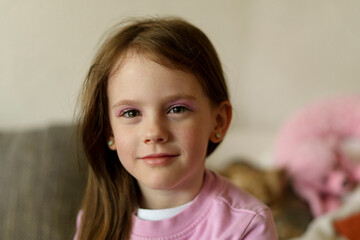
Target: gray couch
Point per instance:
(42, 180)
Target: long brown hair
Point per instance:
(112, 194)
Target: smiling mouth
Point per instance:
(159, 159)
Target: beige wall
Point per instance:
(277, 55)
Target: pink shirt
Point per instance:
(221, 211)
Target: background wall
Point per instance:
(277, 55)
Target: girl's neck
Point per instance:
(162, 199)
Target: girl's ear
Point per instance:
(111, 143)
(223, 115)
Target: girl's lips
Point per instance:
(159, 155)
(159, 159)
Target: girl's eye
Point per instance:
(178, 109)
(131, 113)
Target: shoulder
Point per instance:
(227, 194)
(239, 212)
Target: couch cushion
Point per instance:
(41, 183)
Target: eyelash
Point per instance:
(181, 107)
(132, 113)
(126, 113)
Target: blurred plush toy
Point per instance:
(267, 186)
(291, 214)
(310, 147)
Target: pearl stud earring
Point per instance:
(218, 135)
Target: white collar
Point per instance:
(160, 214)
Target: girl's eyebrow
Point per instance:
(126, 102)
(180, 97)
(172, 98)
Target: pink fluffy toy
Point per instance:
(310, 147)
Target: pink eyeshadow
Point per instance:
(119, 110)
(187, 103)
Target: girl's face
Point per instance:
(161, 123)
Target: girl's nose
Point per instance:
(156, 132)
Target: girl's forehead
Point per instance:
(141, 67)
(138, 74)
(144, 55)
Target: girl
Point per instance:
(154, 105)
